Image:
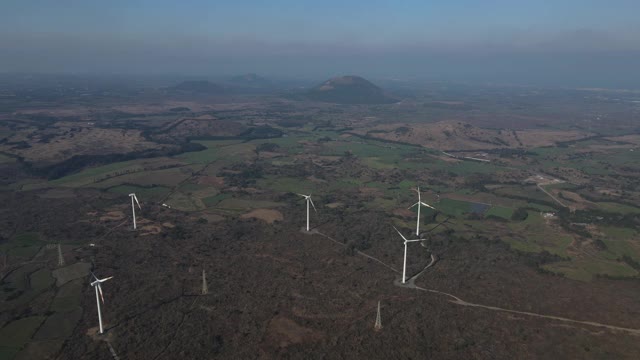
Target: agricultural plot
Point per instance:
(285, 184)
(59, 325)
(6, 159)
(22, 247)
(534, 235)
(459, 208)
(618, 248)
(68, 296)
(587, 269)
(237, 204)
(41, 280)
(153, 193)
(212, 201)
(18, 333)
(618, 208)
(530, 194)
(91, 176)
(500, 211)
(165, 177)
(183, 202)
(219, 151)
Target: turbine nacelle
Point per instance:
(405, 239)
(134, 197)
(308, 198)
(423, 204)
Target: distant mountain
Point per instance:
(350, 90)
(198, 86)
(251, 80)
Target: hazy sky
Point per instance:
(562, 42)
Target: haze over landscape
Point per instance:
(569, 43)
(319, 180)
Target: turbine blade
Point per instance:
(100, 291)
(105, 279)
(302, 195)
(314, 207)
(427, 205)
(405, 239)
(94, 275)
(412, 206)
(137, 202)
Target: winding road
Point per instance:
(458, 301)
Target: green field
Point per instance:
(143, 193)
(68, 296)
(59, 325)
(286, 184)
(41, 279)
(223, 151)
(500, 211)
(22, 246)
(6, 159)
(619, 248)
(618, 208)
(212, 201)
(163, 177)
(17, 333)
(96, 175)
(234, 203)
(618, 233)
(457, 208)
(587, 269)
(184, 202)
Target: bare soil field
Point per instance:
(267, 215)
(68, 140)
(453, 135)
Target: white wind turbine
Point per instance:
(98, 287)
(133, 208)
(404, 264)
(420, 204)
(308, 199)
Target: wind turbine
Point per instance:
(404, 264)
(420, 204)
(308, 198)
(96, 285)
(133, 208)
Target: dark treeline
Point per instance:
(79, 162)
(255, 133)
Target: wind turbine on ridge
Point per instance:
(98, 287)
(420, 204)
(133, 208)
(308, 199)
(404, 264)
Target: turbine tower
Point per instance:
(419, 204)
(133, 208)
(378, 325)
(60, 257)
(308, 199)
(98, 287)
(205, 289)
(404, 264)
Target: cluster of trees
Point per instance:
(78, 162)
(520, 214)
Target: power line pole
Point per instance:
(378, 325)
(60, 257)
(205, 289)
